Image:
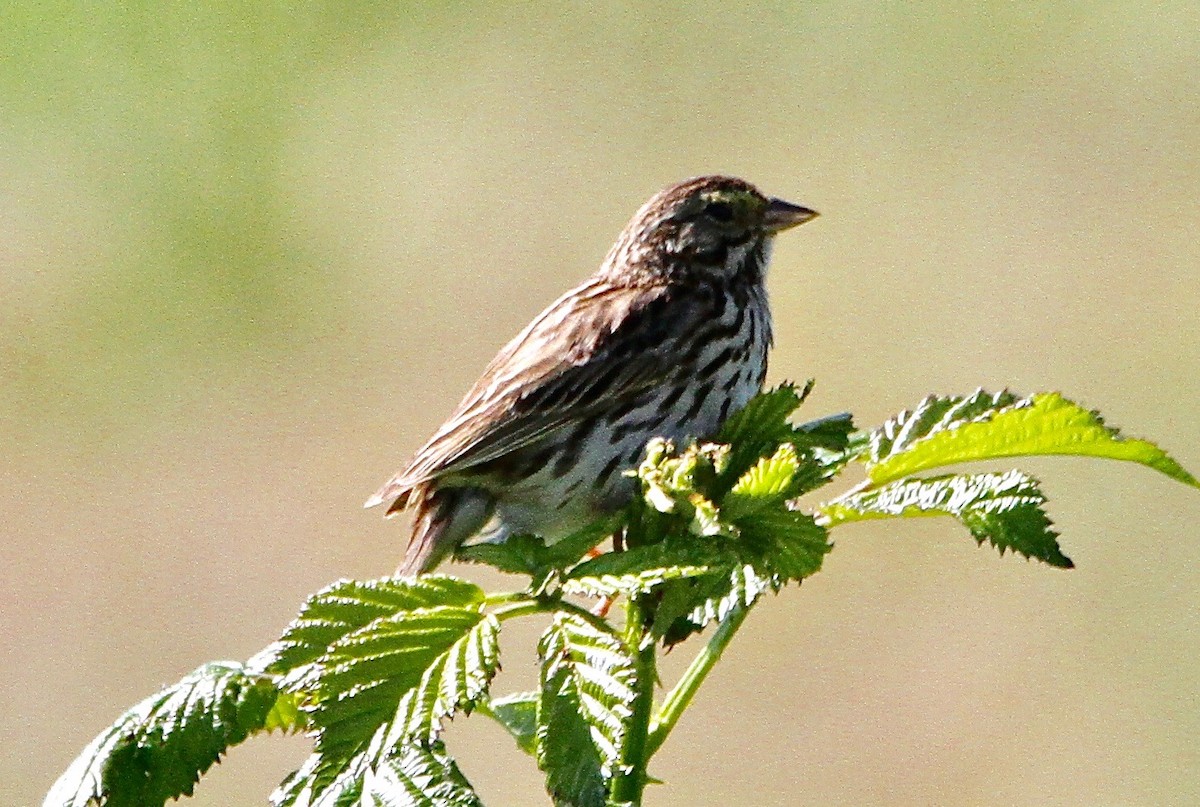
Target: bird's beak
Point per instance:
(783, 215)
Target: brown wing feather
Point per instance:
(593, 348)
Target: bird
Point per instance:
(666, 339)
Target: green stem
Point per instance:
(518, 605)
(681, 696)
(630, 779)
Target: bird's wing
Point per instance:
(594, 348)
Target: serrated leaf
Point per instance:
(286, 715)
(787, 544)
(946, 431)
(518, 554)
(455, 680)
(347, 708)
(771, 480)
(158, 749)
(418, 776)
(831, 433)
(684, 551)
(569, 550)
(1004, 509)
(529, 554)
(745, 587)
(933, 415)
(565, 750)
(349, 605)
(775, 546)
(407, 776)
(360, 682)
(517, 713)
(630, 584)
(759, 427)
(588, 682)
(689, 606)
(765, 416)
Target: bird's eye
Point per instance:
(719, 211)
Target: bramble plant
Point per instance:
(372, 670)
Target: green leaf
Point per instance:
(529, 554)
(764, 420)
(689, 606)
(411, 775)
(751, 525)
(831, 433)
(518, 714)
(786, 544)
(418, 776)
(770, 478)
(455, 680)
(676, 551)
(630, 583)
(744, 588)
(932, 416)
(569, 550)
(1004, 509)
(360, 682)
(158, 749)
(946, 431)
(588, 683)
(774, 546)
(565, 750)
(770, 481)
(517, 554)
(349, 605)
(759, 427)
(388, 686)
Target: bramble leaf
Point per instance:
(946, 431)
(1004, 509)
(759, 427)
(831, 433)
(630, 584)
(786, 544)
(418, 776)
(348, 605)
(399, 656)
(406, 776)
(158, 749)
(689, 606)
(517, 554)
(518, 714)
(455, 680)
(686, 521)
(588, 685)
(565, 750)
(932, 416)
(769, 481)
(360, 682)
(529, 554)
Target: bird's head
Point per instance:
(713, 226)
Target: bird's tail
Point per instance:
(443, 520)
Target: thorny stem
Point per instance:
(629, 779)
(681, 696)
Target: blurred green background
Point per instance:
(253, 253)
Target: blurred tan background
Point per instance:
(251, 258)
